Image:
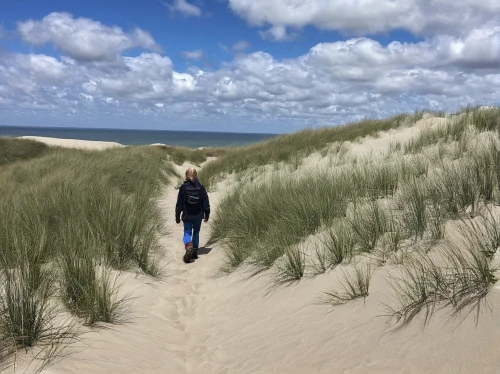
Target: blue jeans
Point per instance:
(192, 232)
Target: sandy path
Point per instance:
(194, 322)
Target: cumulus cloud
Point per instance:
(241, 46)
(360, 17)
(185, 8)
(84, 39)
(192, 55)
(331, 83)
(277, 33)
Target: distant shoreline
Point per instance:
(190, 139)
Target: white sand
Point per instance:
(194, 322)
(74, 143)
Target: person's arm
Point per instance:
(206, 204)
(178, 205)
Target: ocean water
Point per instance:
(191, 139)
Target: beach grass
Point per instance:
(70, 222)
(295, 146)
(179, 154)
(12, 150)
(394, 205)
(353, 284)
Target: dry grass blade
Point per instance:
(352, 286)
(291, 268)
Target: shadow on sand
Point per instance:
(204, 250)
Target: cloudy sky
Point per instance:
(242, 65)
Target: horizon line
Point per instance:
(122, 129)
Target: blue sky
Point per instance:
(242, 65)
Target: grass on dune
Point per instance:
(458, 276)
(354, 284)
(12, 150)
(285, 224)
(70, 221)
(88, 287)
(294, 146)
(179, 154)
(387, 207)
(413, 203)
(292, 266)
(369, 222)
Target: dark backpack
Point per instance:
(192, 200)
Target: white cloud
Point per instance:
(360, 17)
(241, 46)
(193, 55)
(277, 33)
(331, 83)
(224, 47)
(185, 8)
(84, 39)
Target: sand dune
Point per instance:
(196, 322)
(74, 143)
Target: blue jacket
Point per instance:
(180, 207)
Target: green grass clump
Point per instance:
(292, 266)
(12, 150)
(459, 180)
(86, 286)
(262, 221)
(458, 276)
(377, 180)
(353, 285)
(413, 203)
(89, 293)
(369, 222)
(336, 246)
(29, 314)
(339, 243)
(485, 119)
(426, 138)
(413, 167)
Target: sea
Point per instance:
(191, 139)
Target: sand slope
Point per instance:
(74, 143)
(195, 322)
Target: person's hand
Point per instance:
(205, 219)
(177, 220)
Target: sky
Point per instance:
(268, 66)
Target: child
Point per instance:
(193, 203)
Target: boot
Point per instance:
(189, 252)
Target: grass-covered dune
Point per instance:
(411, 199)
(413, 194)
(70, 221)
(12, 150)
(293, 147)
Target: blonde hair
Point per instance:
(191, 174)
